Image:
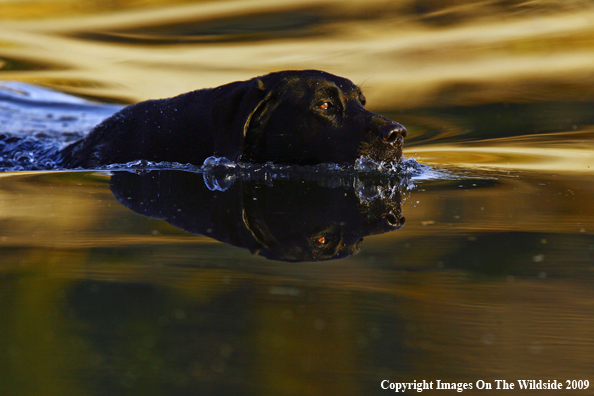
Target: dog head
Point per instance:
(304, 117)
(296, 219)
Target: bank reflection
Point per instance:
(307, 217)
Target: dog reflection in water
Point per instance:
(288, 220)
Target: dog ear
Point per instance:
(233, 111)
(253, 149)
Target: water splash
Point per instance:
(42, 153)
(29, 153)
(36, 122)
(214, 162)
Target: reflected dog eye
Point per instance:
(326, 105)
(321, 240)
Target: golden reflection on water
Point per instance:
(563, 152)
(489, 279)
(402, 58)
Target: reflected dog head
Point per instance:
(287, 220)
(297, 220)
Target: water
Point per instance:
(156, 278)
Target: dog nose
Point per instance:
(391, 132)
(390, 221)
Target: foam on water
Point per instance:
(42, 153)
(36, 122)
(28, 153)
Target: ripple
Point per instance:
(566, 152)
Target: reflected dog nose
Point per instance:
(389, 221)
(392, 132)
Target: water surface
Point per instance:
(125, 281)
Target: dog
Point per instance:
(302, 117)
(292, 220)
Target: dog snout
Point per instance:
(391, 221)
(392, 132)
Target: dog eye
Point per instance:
(321, 240)
(326, 105)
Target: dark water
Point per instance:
(143, 279)
(471, 264)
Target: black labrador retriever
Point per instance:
(290, 117)
(296, 219)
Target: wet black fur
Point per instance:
(274, 118)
